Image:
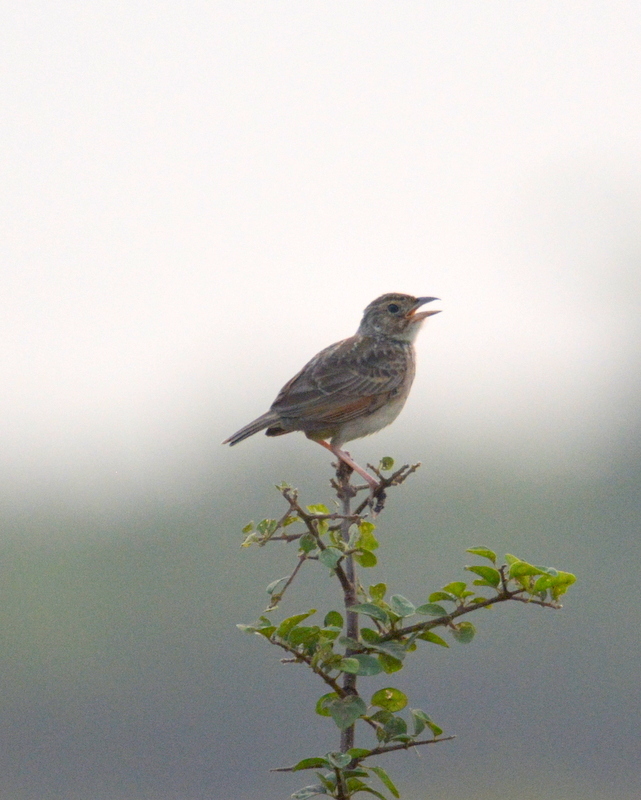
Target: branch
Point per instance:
(309, 519)
(331, 682)
(395, 479)
(276, 598)
(377, 751)
(501, 597)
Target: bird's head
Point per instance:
(395, 315)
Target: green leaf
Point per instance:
(311, 763)
(333, 619)
(248, 528)
(370, 636)
(266, 527)
(373, 611)
(394, 649)
(309, 791)
(345, 711)
(264, 627)
(441, 596)
(252, 538)
(277, 584)
(364, 665)
(356, 772)
(354, 785)
(429, 636)
(401, 605)
(377, 591)
(542, 584)
(484, 552)
(390, 699)
(385, 779)
(389, 663)
(302, 634)
(339, 760)
(322, 704)
(328, 780)
(510, 559)
(457, 588)
(366, 559)
(357, 752)
(287, 624)
(318, 508)
(432, 610)
(561, 584)
(491, 576)
(330, 557)
(367, 540)
(386, 464)
(421, 719)
(521, 568)
(307, 543)
(350, 665)
(396, 728)
(464, 632)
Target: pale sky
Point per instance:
(197, 197)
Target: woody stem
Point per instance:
(345, 494)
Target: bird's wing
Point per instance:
(346, 380)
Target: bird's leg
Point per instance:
(347, 459)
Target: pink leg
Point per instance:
(374, 484)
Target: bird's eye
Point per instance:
(393, 308)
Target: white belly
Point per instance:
(367, 425)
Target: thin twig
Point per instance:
(377, 751)
(395, 479)
(503, 596)
(302, 657)
(309, 519)
(276, 598)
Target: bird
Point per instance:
(354, 387)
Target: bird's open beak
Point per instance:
(419, 302)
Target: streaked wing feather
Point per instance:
(344, 381)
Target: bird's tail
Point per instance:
(259, 424)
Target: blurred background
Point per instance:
(196, 198)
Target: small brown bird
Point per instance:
(352, 388)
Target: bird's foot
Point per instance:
(345, 458)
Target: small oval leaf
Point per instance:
(390, 699)
(345, 711)
(311, 763)
(483, 552)
(401, 605)
(333, 619)
(372, 610)
(432, 609)
(464, 632)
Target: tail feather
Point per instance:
(259, 424)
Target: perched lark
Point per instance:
(352, 388)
